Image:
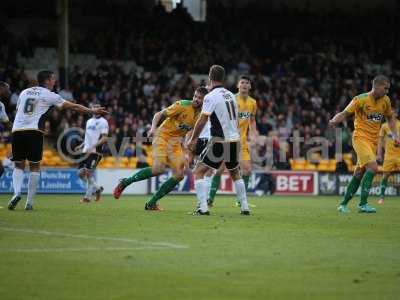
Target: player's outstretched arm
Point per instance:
(339, 118)
(158, 118)
(198, 127)
(83, 109)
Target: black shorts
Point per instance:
(91, 161)
(200, 146)
(216, 153)
(27, 145)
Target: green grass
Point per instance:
(291, 247)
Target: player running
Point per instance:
(27, 132)
(220, 108)
(391, 162)
(176, 121)
(247, 125)
(369, 110)
(96, 133)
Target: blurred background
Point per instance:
(307, 59)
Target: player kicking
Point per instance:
(27, 132)
(4, 93)
(176, 121)
(96, 133)
(369, 110)
(221, 109)
(247, 124)
(391, 162)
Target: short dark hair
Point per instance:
(44, 75)
(202, 90)
(380, 79)
(245, 77)
(217, 73)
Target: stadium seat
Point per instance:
(132, 162)
(323, 165)
(122, 162)
(310, 166)
(110, 160)
(298, 164)
(107, 162)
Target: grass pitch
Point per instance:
(291, 247)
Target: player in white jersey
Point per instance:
(221, 109)
(96, 133)
(4, 94)
(27, 132)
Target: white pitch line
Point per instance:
(81, 249)
(102, 238)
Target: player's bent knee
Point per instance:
(373, 167)
(34, 166)
(20, 165)
(246, 171)
(82, 173)
(200, 171)
(158, 169)
(359, 172)
(235, 174)
(179, 176)
(220, 170)
(209, 173)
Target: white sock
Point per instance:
(32, 186)
(95, 187)
(241, 194)
(201, 192)
(17, 179)
(208, 180)
(89, 189)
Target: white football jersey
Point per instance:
(205, 133)
(221, 106)
(95, 127)
(3, 114)
(32, 104)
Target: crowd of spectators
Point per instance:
(303, 70)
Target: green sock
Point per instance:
(164, 189)
(352, 188)
(366, 183)
(383, 186)
(214, 187)
(246, 179)
(138, 176)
